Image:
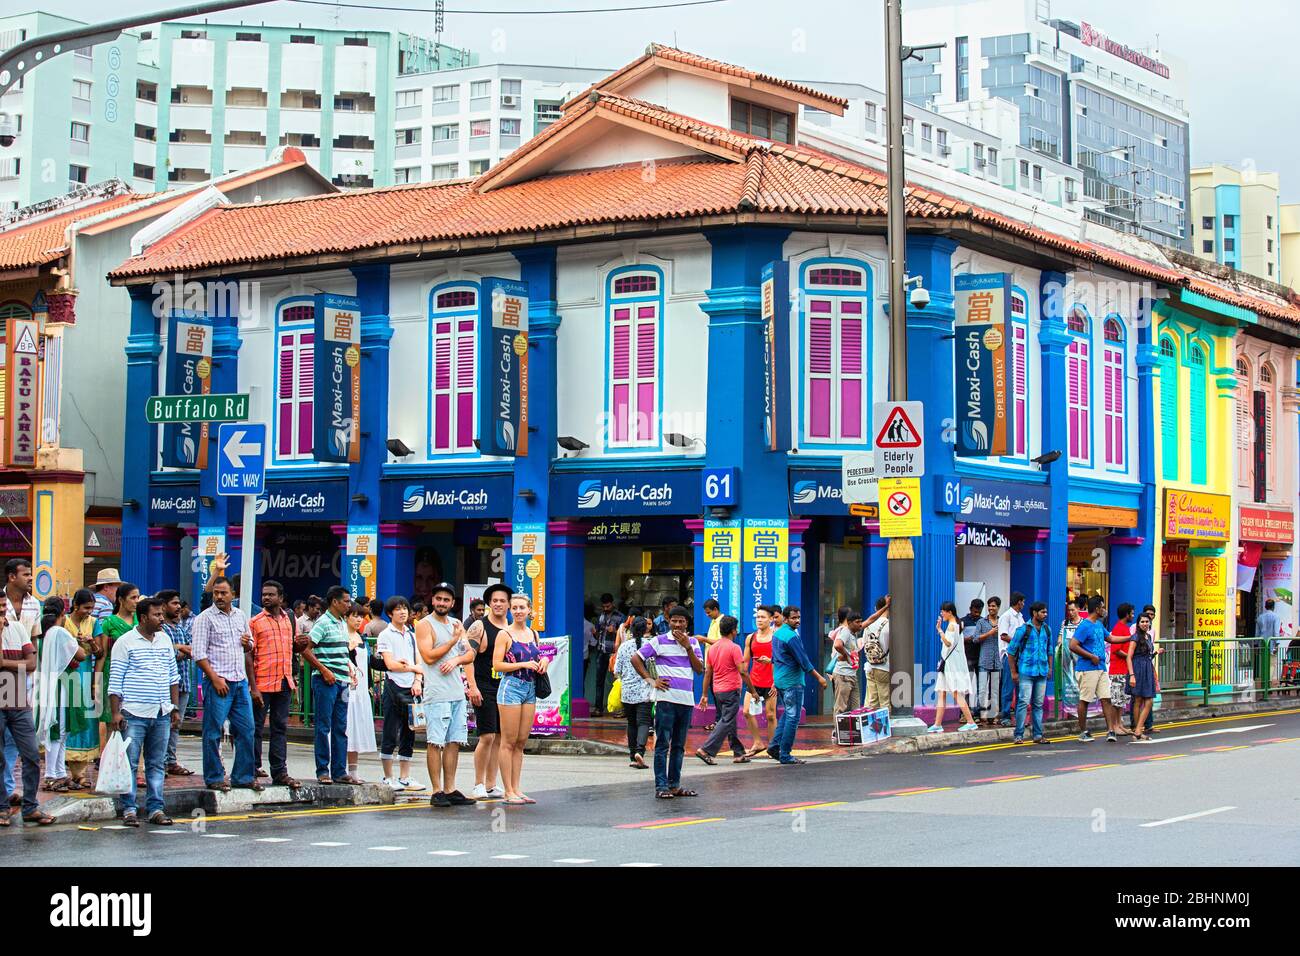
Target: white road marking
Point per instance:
(510, 856)
(573, 859)
(329, 843)
(1188, 816)
(273, 840)
(386, 849)
(162, 831)
(448, 853)
(1208, 733)
(640, 864)
(221, 836)
(114, 826)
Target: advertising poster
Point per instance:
(1197, 516)
(775, 288)
(722, 563)
(189, 372)
(767, 565)
(211, 542)
(503, 326)
(1275, 581)
(528, 566)
(336, 409)
(984, 429)
(360, 571)
(551, 718)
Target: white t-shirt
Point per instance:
(401, 645)
(1010, 622)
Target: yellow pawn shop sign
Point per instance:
(900, 507)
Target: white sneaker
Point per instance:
(480, 792)
(409, 784)
(393, 784)
(496, 793)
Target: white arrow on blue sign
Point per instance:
(241, 459)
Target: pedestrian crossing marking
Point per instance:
(386, 849)
(221, 836)
(511, 856)
(448, 853)
(330, 843)
(273, 840)
(640, 865)
(573, 859)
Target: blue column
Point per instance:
(225, 380)
(1133, 557)
(930, 379)
(396, 568)
(875, 569)
(1052, 342)
(376, 333)
(140, 441)
(164, 559)
(1030, 567)
(805, 593)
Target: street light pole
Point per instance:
(902, 653)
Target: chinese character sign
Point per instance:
(360, 570)
(22, 431)
(984, 427)
(775, 288)
(336, 399)
(189, 372)
(503, 396)
(527, 571)
(211, 542)
(722, 547)
(766, 568)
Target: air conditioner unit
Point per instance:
(945, 150)
(510, 102)
(981, 163)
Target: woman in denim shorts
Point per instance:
(517, 658)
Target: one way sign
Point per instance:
(900, 440)
(241, 459)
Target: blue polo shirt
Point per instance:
(1091, 636)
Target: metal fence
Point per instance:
(1205, 671)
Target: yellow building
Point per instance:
(1236, 219)
(1290, 265)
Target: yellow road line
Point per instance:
(295, 814)
(1100, 766)
(1165, 757)
(1032, 776)
(684, 823)
(913, 793)
(813, 806)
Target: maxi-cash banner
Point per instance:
(503, 325)
(776, 355)
(984, 427)
(360, 571)
(189, 372)
(767, 565)
(722, 547)
(527, 572)
(336, 408)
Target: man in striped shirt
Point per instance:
(328, 656)
(143, 691)
(221, 637)
(677, 660)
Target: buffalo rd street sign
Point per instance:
(900, 439)
(241, 459)
(900, 507)
(176, 409)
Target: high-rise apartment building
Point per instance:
(1236, 219)
(1116, 113)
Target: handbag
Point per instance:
(543, 684)
(415, 715)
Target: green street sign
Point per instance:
(173, 409)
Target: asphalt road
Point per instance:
(1218, 791)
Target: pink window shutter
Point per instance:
(1072, 399)
(305, 389)
(620, 374)
(1019, 388)
(851, 365)
(466, 369)
(820, 369)
(442, 387)
(646, 362)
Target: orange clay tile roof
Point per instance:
(27, 245)
(764, 178)
(673, 55)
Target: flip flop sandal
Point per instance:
(130, 820)
(682, 792)
(515, 803)
(158, 818)
(4, 820)
(743, 758)
(664, 795)
(251, 785)
(706, 758)
(222, 787)
(325, 780)
(710, 725)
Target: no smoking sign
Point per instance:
(901, 515)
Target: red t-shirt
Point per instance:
(1119, 665)
(726, 658)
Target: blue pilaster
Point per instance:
(875, 570)
(396, 568)
(140, 441)
(1053, 342)
(376, 333)
(164, 559)
(566, 568)
(1030, 567)
(930, 379)
(225, 380)
(1133, 557)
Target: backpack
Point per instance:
(872, 648)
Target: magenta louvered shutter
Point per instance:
(647, 355)
(442, 394)
(1073, 389)
(621, 373)
(820, 368)
(306, 389)
(852, 362)
(1113, 365)
(466, 379)
(284, 395)
(1020, 386)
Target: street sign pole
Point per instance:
(247, 546)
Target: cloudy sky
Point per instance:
(1244, 82)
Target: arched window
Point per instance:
(1269, 392)
(1196, 397)
(1020, 371)
(1169, 431)
(1078, 379)
(634, 318)
(836, 354)
(1245, 401)
(453, 368)
(295, 338)
(1115, 396)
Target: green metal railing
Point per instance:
(1203, 671)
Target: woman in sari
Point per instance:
(114, 626)
(65, 722)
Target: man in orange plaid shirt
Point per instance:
(270, 662)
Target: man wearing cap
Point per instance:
(106, 584)
(443, 651)
(482, 682)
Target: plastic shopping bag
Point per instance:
(115, 773)
(614, 703)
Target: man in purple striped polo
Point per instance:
(677, 659)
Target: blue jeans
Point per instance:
(788, 724)
(1037, 687)
(18, 726)
(1005, 690)
(330, 702)
(237, 707)
(11, 761)
(672, 724)
(149, 734)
